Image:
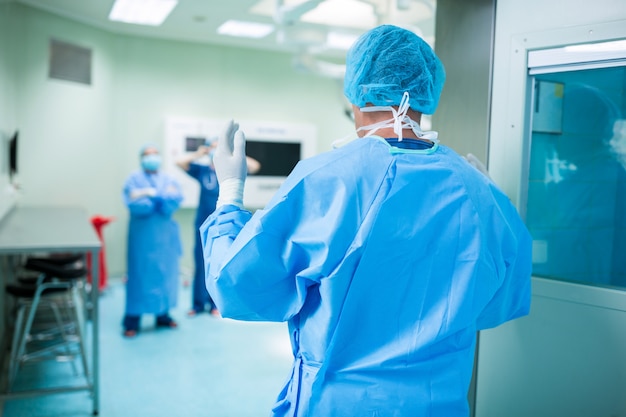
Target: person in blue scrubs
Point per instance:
(199, 165)
(385, 256)
(154, 246)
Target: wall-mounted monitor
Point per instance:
(13, 155)
(193, 143)
(8, 170)
(276, 146)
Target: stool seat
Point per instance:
(63, 259)
(70, 270)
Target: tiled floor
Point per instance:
(208, 367)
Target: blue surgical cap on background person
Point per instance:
(148, 145)
(387, 61)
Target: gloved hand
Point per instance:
(230, 165)
(475, 162)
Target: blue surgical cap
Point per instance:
(147, 146)
(387, 61)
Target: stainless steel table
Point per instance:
(26, 230)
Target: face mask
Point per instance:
(151, 162)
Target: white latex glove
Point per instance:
(475, 162)
(230, 165)
(142, 192)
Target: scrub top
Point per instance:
(385, 262)
(209, 190)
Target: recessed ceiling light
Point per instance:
(342, 13)
(338, 40)
(354, 14)
(245, 29)
(142, 12)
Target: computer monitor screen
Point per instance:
(13, 154)
(276, 158)
(193, 143)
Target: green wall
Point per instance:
(80, 142)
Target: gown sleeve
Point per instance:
(261, 267)
(512, 298)
(169, 197)
(139, 204)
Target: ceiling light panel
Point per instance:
(245, 29)
(142, 12)
(338, 40)
(343, 13)
(339, 13)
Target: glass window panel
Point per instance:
(576, 206)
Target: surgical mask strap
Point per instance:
(399, 116)
(399, 121)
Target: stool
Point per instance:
(49, 324)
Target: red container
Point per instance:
(98, 222)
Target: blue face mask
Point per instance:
(151, 162)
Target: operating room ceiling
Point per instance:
(302, 27)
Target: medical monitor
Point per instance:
(276, 158)
(278, 147)
(8, 172)
(13, 155)
(193, 143)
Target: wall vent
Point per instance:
(69, 62)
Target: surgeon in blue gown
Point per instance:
(154, 246)
(385, 256)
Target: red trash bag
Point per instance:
(98, 222)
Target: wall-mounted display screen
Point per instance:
(193, 143)
(276, 158)
(13, 155)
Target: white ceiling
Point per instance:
(198, 20)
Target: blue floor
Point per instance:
(208, 367)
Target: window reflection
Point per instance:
(577, 180)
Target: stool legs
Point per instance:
(17, 337)
(24, 328)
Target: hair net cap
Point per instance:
(387, 61)
(149, 145)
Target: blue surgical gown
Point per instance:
(385, 263)
(154, 246)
